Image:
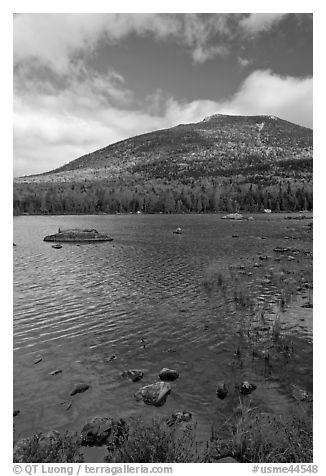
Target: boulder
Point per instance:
(168, 375)
(221, 390)
(134, 375)
(99, 431)
(79, 388)
(154, 394)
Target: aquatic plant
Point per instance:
(276, 328)
(257, 437)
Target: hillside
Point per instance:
(253, 150)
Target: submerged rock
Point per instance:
(168, 375)
(80, 388)
(56, 372)
(99, 431)
(77, 235)
(134, 375)
(221, 390)
(154, 394)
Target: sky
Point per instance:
(83, 81)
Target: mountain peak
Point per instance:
(217, 116)
(219, 145)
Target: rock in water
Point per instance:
(16, 412)
(99, 431)
(168, 375)
(221, 390)
(79, 388)
(179, 417)
(78, 235)
(56, 372)
(154, 394)
(233, 216)
(134, 375)
(246, 388)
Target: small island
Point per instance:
(78, 235)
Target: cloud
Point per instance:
(244, 61)
(56, 40)
(201, 54)
(259, 22)
(263, 92)
(53, 127)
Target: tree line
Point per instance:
(159, 196)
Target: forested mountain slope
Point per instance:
(221, 163)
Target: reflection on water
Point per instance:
(80, 305)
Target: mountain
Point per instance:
(219, 145)
(220, 163)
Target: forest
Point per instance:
(206, 195)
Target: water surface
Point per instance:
(78, 306)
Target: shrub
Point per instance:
(155, 442)
(42, 448)
(257, 437)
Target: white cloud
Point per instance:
(55, 127)
(258, 22)
(55, 39)
(266, 93)
(244, 61)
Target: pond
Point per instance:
(148, 300)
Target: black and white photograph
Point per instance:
(162, 240)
